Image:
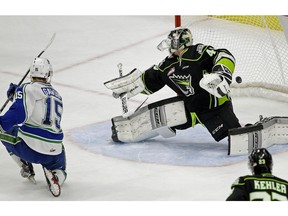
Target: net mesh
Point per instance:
(258, 44)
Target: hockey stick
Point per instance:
(140, 105)
(124, 97)
(11, 96)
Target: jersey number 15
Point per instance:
(53, 114)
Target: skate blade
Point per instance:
(53, 184)
(55, 190)
(32, 179)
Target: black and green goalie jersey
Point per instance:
(182, 74)
(265, 187)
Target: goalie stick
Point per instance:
(21, 81)
(140, 105)
(124, 97)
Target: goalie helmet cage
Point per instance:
(259, 45)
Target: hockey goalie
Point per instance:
(200, 76)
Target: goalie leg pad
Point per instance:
(264, 133)
(150, 121)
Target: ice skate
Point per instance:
(27, 171)
(52, 182)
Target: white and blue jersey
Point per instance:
(37, 110)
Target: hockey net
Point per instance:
(259, 46)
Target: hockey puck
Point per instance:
(238, 79)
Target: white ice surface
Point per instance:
(85, 53)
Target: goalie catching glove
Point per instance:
(130, 84)
(218, 82)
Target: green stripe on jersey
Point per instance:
(9, 138)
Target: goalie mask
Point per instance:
(177, 39)
(260, 161)
(41, 68)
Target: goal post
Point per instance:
(177, 21)
(258, 44)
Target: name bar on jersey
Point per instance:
(264, 185)
(51, 92)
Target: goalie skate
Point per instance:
(52, 182)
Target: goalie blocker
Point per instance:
(264, 133)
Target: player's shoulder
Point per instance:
(36, 88)
(166, 62)
(199, 51)
(31, 86)
(23, 86)
(242, 179)
(200, 47)
(284, 181)
(210, 50)
(267, 176)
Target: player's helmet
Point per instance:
(177, 38)
(41, 68)
(260, 161)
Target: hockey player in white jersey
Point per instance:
(31, 128)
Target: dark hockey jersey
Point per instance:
(182, 74)
(265, 187)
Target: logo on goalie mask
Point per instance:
(177, 39)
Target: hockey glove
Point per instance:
(11, 91)
(215, 84)
(223, 71)
(130, 84)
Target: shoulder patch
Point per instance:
(237, 181)
(199, 48)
